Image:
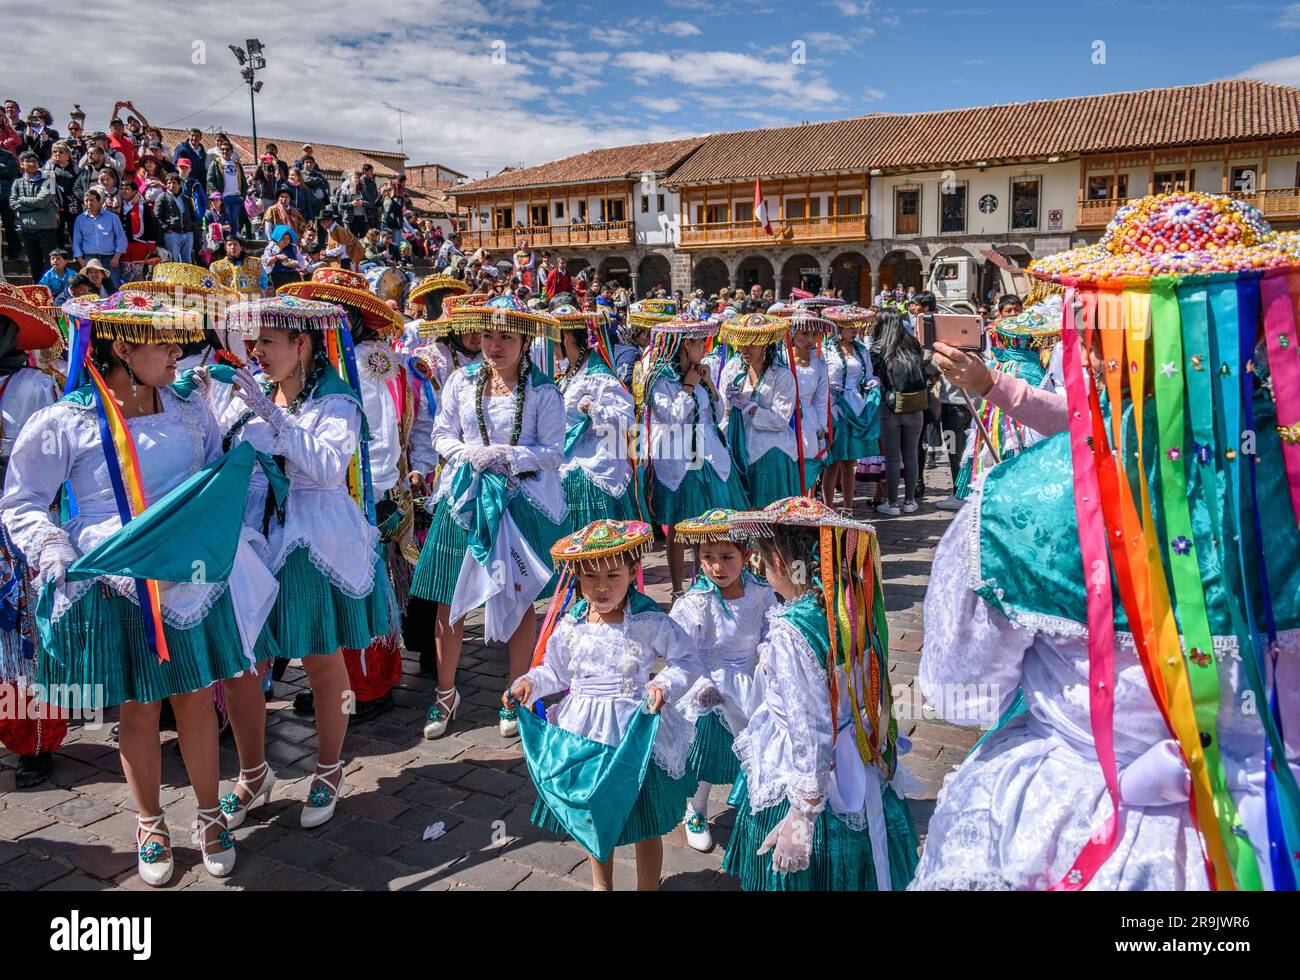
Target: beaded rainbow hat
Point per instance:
(791, 512)
(430, 288)
(180, 279)
(37, 329)
(283, 313)
(686, 326)
(350, 290)
(754, 329)
(713, 525)
(821, 302)
(572, 318)
(440, 326)
(809, 319)
(1175, 297)
(135, 317)
(846, 315)
(646, 313)
(601, 541)
(1037, 328)
(504, 313)
(782, 309)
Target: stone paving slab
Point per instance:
(76, 832)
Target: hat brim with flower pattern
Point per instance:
(351, 290)
(603, 541)
(135, 317)
(713, 525)
(791, 512)
(37, 329)
(283, 313)
(506, 314)
(754, 330)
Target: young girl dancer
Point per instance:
(855, 398)
(725, 613)
(807, 328)
(816, 808)
(602, 652)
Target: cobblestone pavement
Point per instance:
(77, 831)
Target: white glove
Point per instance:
(584, 406)
(203, 380)
(790, 842)
(55, 557)
(256, 398)
(487, 457)
(741, 401)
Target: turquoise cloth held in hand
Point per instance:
(590, 787)
(479, 510)
(578, 423)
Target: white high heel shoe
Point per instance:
(698, 835)
(441, 713)
(508, 725)
(323, 797)
(222, 861)
(236, 812)
(150, 864)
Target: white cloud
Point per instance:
(874, 94)
(1284, 71)
(658, 103)
(855, 8)
(1289, 20)
(751, 78)
(680, 28)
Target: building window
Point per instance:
(539, 215)
(907, 211)
(645, 203)
(582, 209)
(1103, 188)
(715, 214)
(503, 218)
(1024, 203)
(613, 209)
(1245, 180)
(744, 212)
(952, 209)
(849, 204)
(1169, 181)
(559, 210)
(794, 207)
(659, 203)
(814, 207)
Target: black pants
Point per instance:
(418, 625)
(9, 223)
(39, 245)
(955, 422)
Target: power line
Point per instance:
(204, 109)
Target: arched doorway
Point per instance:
(900, 266)
(577, 263)
(709, 274)
(653, 273)
(801, 271)
(851, 276)
(615, 268)
(755, 269)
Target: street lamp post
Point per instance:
(251, 56)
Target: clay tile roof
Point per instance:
(614, 163)
(333, 159)
(1239, 109)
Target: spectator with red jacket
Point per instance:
(558, 280)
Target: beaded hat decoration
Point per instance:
(605, 543)
(507, 314)
(754, 329)
(821, 302)
(137, 318)
(713, 525)
(848, 316)
(1037, 328)
(351, 290)
(809, 319)
(437, 284)
(38, 295)
(781, 309)
(572, 318)
(648, 312)
(1175, 295)
(791, 512)
(686, 326)
(440, 326)
(180, 278)
(283, 313)
(37, 329)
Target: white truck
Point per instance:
(955, 280)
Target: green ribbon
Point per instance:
(478, 503)
(579, 423)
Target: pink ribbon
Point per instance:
(1283, 343)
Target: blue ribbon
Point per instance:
(354, 379)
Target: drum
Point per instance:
(386, 283)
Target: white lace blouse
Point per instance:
(768, 426)
(317, 444)
(25, 393)
(62, 443)
(606, 668)
(672, 411)
(814, 389)
(377, 366)
(727, 639)
(539, 452)
(601, 451)
(844, 374)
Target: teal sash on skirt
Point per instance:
(478, 509)
(589, 787)
(574, 430)
(739, 446)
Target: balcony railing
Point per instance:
(544, 236)
(845, 227)
(1275, 203)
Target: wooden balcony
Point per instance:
(845, 227)
(1276, 203)
(550, 236)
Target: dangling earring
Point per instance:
(302, 375)
(130, 374)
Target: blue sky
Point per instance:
(489, 83)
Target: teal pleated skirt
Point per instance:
(812, 471)
(313, 617)
(447, 543)
(841, 858)
(587, 502)
(100, 645)
(846, 446)
(773, 476)
(701, 490)
(659, 807)
(711, 759)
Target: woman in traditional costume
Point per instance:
(816, 805)
(596, 475)
(323, 547)
(238, 271)
(601, 651)
(1153, 751)
(725, 613)
(691, 470)
(36, 731)
(807, 329)
(855, 401)
(500, 435)
(759, 402)
(119, 443)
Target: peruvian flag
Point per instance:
(760, 208)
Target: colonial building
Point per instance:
(871, 201)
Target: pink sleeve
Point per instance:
(1042, 411)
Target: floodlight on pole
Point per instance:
(251, 58)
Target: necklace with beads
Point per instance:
(480, 386)
(571, 371)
